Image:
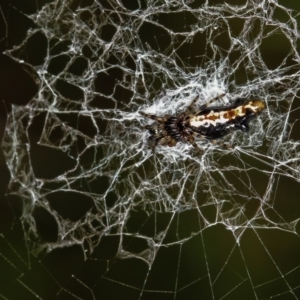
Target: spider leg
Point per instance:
(189, 107)
(204, 106)
(162, 140)
(222, 145)
(153, 117)
(191, 104)
(214, 142)
(166, 140)
(189, 136)
(194, 134)
(191, 140)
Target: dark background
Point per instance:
(65, 273)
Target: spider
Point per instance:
(208, 123)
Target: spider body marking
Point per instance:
(209, 122)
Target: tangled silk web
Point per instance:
(79, 150)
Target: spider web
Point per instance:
(175, 224)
